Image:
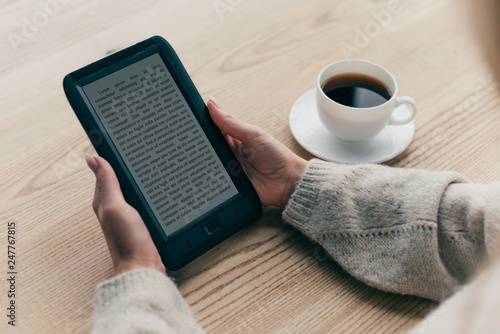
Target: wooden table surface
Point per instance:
(257, 57)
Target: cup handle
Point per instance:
(409, 118)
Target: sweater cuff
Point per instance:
(132, 281)
(302, 205)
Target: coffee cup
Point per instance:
(357, 99)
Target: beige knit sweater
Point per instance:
(400, 230)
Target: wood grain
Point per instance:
(256, 57)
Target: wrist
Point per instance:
(122, 267)
(295, 173)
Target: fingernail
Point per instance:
(91, 162)
(214, 101)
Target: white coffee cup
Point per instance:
(358, 124)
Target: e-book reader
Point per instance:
(144, 115)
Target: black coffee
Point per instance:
(356, 90)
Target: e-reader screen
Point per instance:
(161, 142)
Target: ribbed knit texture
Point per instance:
(142, 301)
(406, 231)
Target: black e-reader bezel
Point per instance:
(202, 234)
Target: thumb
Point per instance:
(107, 185)
(230, 125)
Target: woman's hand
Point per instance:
(128, 239)
(272, 168)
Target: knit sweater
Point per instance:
(406, 231)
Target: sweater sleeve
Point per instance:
(406, 231)
(141, 301)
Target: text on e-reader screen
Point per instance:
(161, 142)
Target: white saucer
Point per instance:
(312, 135)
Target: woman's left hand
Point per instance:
(128, 239)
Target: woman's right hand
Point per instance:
(272, 168)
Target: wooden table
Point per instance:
(256, 57)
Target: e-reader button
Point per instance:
(178, 248)
(228, 217)
(212, 227)
(196, 237)
(244, 207)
